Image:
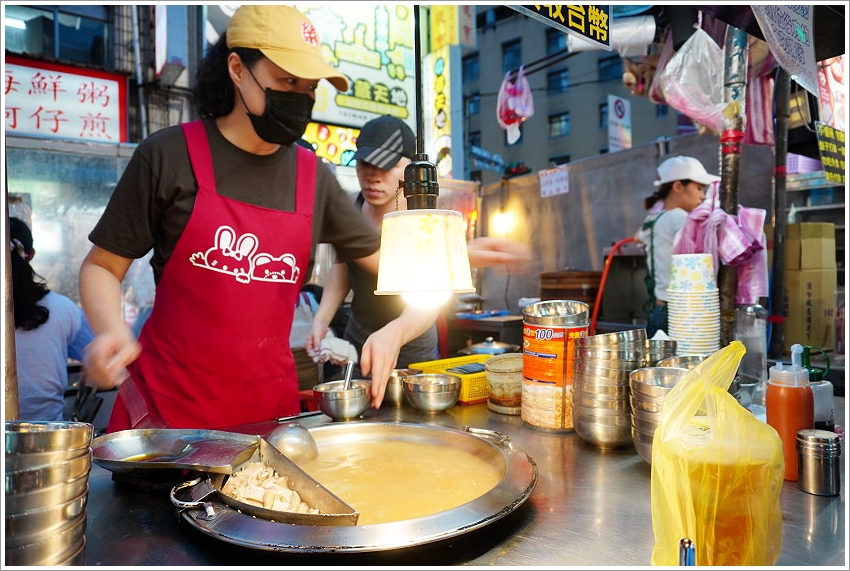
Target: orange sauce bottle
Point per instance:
(790, 406)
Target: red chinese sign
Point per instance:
(55, 100)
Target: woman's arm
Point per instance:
(114, 345)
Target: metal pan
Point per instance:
(518, 480)
(142, 449)
(332, 510)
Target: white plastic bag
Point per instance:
(692, 81)
(514, 104)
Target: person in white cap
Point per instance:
(232, 208)
(681, 185)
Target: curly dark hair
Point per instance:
(28, 288)
(213, 93)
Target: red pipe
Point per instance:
(614, 250)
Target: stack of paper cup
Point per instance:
(693, 304)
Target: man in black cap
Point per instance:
(385, 147)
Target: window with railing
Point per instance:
(559, 124)
(662, 110)
(473, 104)
(511, 55)
(74, 33)
(471, 69)
(556, 41)
(557, 81)
(610, 68)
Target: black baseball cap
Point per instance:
(384, 140)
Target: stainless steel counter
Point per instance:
(590, 507)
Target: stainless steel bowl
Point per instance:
(58, 547)
(682, 361)
(655, 381)
(35, 460)
(39, 498)
(645, 424)
(32, 526)
(605, 435)
(610, 354)
(612, 339)
(432, 392)
(643, 445)
(25, 437)
(25, 481)
(343, 404)
(394, 393)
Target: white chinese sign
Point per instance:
(52, 100)
(789, 31)
(554, 181)
(619, 123)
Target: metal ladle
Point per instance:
(349, 368)
(293, 441)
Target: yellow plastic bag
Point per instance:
(717, 472)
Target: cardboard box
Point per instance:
(808, 245)
(809, 307)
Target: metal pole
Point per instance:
(10, 368)
(143, 115)
(777, 289)
(735, 85)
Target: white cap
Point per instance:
(683, 168)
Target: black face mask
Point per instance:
(285, 117)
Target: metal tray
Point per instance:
(332, 510)
(518, 480)
(142, 449)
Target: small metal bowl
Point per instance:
(612, 339)
(655, 381)
(26, 437)
(340, 404)
(432, 392)
(682, 361)
(394, 393)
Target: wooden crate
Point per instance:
(570, 284)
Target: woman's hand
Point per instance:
(106, 358)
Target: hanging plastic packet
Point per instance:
(514, 104)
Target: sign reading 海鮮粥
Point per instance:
(589, 22)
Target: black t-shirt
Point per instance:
(153, 200)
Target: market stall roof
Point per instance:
(830, 25)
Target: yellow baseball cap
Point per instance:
(285, 36)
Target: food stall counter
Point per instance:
(589, 507)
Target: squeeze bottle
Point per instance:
(790, 406)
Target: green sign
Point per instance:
(589, 22)
(832, 153)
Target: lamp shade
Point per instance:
(423, 252)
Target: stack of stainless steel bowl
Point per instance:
(601, 409)
(691, 361)
(47, 487)
(658, 349)
(649, 387)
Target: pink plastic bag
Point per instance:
(692, 81)
(514, 104)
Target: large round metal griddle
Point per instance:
(519, 476)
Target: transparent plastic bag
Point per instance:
(717, 472)
(692, 81)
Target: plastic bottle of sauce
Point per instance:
(790, 406)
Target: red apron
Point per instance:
(215, 349)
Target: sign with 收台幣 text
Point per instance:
(554, 181)
(590, 22)
(832, 152)
(54, 100)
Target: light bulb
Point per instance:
(426, 299)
